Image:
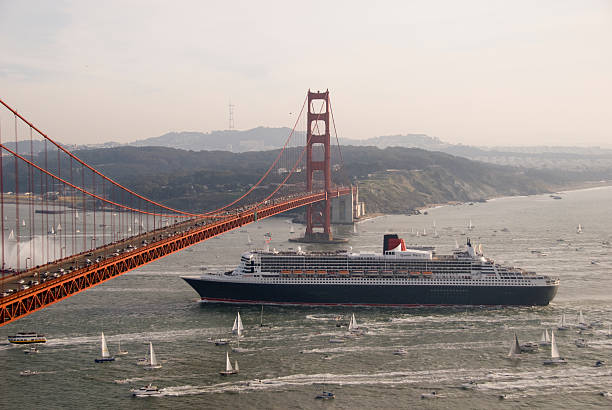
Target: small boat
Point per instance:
(221, 342)
(146, 391)
(609, 335)
(555, 358)
(121, 352)
(229, 370)
(143, 361)
(562, 324)
(336, 340)
(291, 230)
(432, 395)
(23, 222)
(237, 328)
(400, 352)
(326, 395)
(249, 241)
(26, 338)
(31, 350)
(470, 226)
(579, 229)
(545, 339)
(599, 363)
(471, 385)
(515, 349)
(153, 363)
(530, 347)
(11, 236)
(28, 373)
(581, 343)
(605, 394)
(105, 356)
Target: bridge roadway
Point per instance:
(63, 278)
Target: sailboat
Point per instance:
(228, 366)
(554, 352)
(353, 327)
(291, 230)
(51, 231)
(105, 357)
(23, 222)
(545, 339)
(579, 229)
(237, 328)
(76, 215)
(609, 335)
(249, 241)
(562, 324)
(435, 234)
(470, 226)
(261, 323)
(59, 227)
(11, 236)
(153, 363)
(424, 232)
(582, 324)
(515, 349)
(121, 352)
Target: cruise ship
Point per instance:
(399, 276)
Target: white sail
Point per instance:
(249, 241)
(76, 215)
(11, 235)
(236, 366)
(235, 327)
(554, 351)
(291, 230)
(547, 335)
(152, 357)
(579, 229)
(228, 364)
(240, 327)
(105, 352)
(59, 226)
(353, 323)
(544, 337)
(562, 323)
(23, 222)
(515, 348)
(581, 318)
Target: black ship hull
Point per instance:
(370, 295)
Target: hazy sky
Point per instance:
(474, 72)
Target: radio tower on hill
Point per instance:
(231, 116)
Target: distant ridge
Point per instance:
(256, 139)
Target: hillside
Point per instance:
(392, 179)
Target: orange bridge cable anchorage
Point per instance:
(90, 167)
(89, 193)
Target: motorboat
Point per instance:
(581, 343)
(326, 395)
(599, 363)
(31, 350)
(27, 337)
(28, 373)
(432, 395)
(146, 391)
(529, 347)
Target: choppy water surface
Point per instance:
(287, 364)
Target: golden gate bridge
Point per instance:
(67, 227)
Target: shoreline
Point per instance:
(570, 188)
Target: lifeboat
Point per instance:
(297, 272)
(321, 272)
(372, 272)
(427, 273)
(343, 272)
(310, 272)
(415, 273)
(285, 272)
